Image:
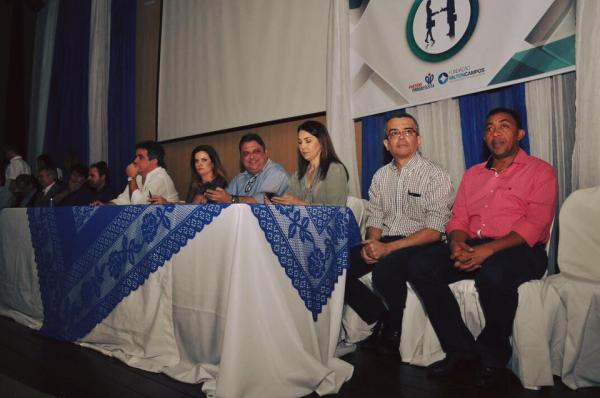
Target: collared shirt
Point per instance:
(404, 201)
(15, 168)
(272, 178)
(48, 188)
(520, 198)
(158, 182)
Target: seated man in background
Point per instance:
(99, 183)
(500, 223)
(409, 206)
(148, 181)
(77, 192)
(261, 175)
(7, 198)
(25, 190)
(50, 187)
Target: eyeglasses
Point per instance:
(250, 182)
(393, 133)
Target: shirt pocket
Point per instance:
(413, 205)
(510, 199)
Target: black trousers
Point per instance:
(389, 278)
(496, 281)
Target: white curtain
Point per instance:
(41, 76)
(551, 123)
(339, 115)
(98, 83)
(439, 123)
(586, 165)
(551, 128)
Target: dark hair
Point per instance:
(80, 169)
(327, 155)
(508, 111)
(102, 168)
(155, 151)
(46, 159)
(218, 168)
(24, 181)
(11, 148)
(400, 115)
(252, 137)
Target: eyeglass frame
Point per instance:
(250, 183)
(407, 132)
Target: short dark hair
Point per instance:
(80, 169)
(102, 168)
(24, 181)
(46, 159)
(252, 137)
(400, 115)
(155, 151)
(11, 148)
(514, 114)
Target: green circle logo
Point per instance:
(438, 29)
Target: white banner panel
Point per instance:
(407, 53)
(232, 63)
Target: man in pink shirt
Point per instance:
(496, 235)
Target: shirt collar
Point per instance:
(521, 157)
(412, 163)
(152, 172)
(49, 187)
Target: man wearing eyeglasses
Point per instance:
(409, 205)
(260, 175)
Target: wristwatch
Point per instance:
(129, 179)
(235, 199)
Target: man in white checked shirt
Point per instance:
(409, 205)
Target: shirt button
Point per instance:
(485, 206)
(491, 190)
(483, 225)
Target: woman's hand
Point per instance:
(287, 200)
(200, 199)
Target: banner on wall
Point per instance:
(408, 53)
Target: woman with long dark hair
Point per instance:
(321, 177)
(207, 173)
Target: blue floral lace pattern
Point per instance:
(89, 260)
(312, 244)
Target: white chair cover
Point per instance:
(572, 298)
(579, 245)
(420, 345)
(360, 209)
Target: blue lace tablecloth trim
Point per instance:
(312, 244)
(90, 258)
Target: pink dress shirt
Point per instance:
(521, 198)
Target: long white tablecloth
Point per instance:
(221, 312)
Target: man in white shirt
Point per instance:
(16, 166)
(148, 181)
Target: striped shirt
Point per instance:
(404, 201)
